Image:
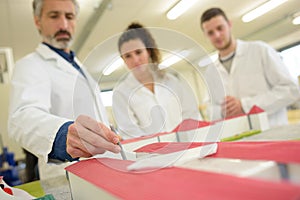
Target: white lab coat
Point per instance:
(140, 112)
(257, 77)
(46, 92)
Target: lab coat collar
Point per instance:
(133, 82)
(240, 48)
(239, 52)
(48, 54)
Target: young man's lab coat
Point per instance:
(257, 77)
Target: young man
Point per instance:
(56, 112)
(252, 73)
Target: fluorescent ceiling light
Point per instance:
(89, 4)
(114, 66)
(264, 8)
(296, 20)
(209, 59)
(173, 59)
(180, 8)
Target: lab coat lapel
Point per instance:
(238, 58)
(95, 90)
(90, 80)
(136, 86)
(61, 63)
(238, 62)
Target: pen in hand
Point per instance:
(119, 143)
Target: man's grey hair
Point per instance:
(38, 6)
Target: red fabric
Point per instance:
(229, 118)
(255, 110)
(279, 151)
(139, 138)
(167, 147)
(177, 183)
(185, 125)
(190, 124)
(236, 116)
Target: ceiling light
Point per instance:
(180, 8)
(264, 8)
(173, 59)
(114, 66)
(296, 20)
(209, 59)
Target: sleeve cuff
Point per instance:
(59, 147)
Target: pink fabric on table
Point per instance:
(279, 151)
(185, 125)
(177, 183)
(190, 124)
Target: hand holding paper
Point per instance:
(87, 137)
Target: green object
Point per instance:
(34, 188)
(46, 197)
(241, 135)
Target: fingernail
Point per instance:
(115, 140)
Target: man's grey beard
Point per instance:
(61, 44)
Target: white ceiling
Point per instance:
(97, 26)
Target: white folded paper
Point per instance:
(173, 159)
(108, 154)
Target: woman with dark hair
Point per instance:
(149, 100)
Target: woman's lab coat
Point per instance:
(257, 77)
(140, 112)
(46, 92)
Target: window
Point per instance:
(291, 58)
(106, 96)
(6, 64)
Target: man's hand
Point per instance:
(87, 137)
(231, 107)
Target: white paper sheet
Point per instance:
(173, 159)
